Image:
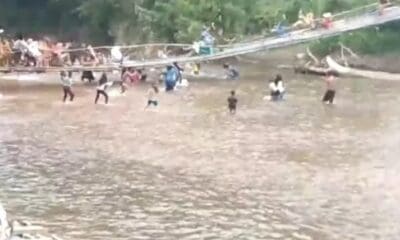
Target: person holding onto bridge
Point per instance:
(327, 21)
(382, 5)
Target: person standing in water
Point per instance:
(330, 93)
(152, 96)
(231, 73)
(124, 76)
(273, 89)
(104, 84)
(232, 102)
(170, 79)
(277, 89)
(66, 81)
(179, 71)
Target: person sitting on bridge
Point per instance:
(327, 21)
(276, 88)
(382, 5)
(305, 21)
(281, 29)
(231, 73)
(66, 82)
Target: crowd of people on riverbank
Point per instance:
(29, 52)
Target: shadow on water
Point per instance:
(188, 170)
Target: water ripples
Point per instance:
(294, 170)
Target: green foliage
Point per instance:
(132, 21)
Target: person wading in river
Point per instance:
(152, 96)
(232, 102)
(104, 84)
(170, 78)
(66, 81)
(231, 73)
(330, 93)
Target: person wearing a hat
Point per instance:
(231, 73)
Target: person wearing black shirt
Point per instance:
(232, 102)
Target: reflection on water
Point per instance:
(188, 170)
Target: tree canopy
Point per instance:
(133, 21)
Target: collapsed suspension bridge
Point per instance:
(363, 17)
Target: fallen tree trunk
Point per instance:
(361, 73)
(311, 70)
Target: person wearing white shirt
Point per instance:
(4, 226)
(116, 54)
(277, 90)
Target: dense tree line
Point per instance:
(128, 21)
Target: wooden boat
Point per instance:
(361, 73)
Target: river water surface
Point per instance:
(188, 170)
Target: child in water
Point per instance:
(277, 89)
(104, 84)
(231, 73)
(66, 82)
(151, 96)
(330, 93)
(232, 102)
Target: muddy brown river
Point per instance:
(295, 170)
